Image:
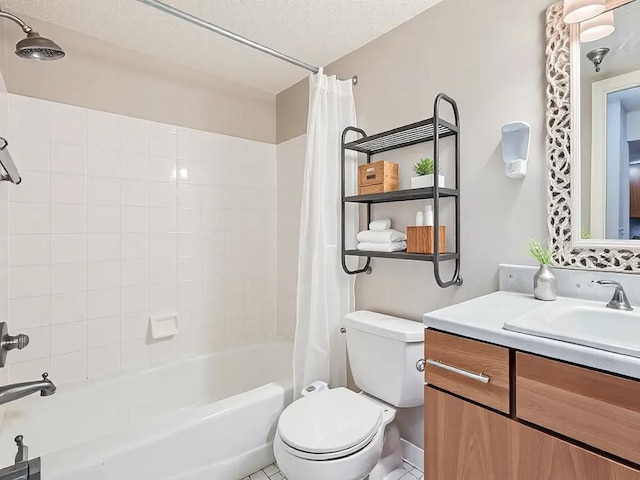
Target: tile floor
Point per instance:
(272, 472)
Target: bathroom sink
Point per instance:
(584, 323)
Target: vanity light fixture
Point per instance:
(597, 56)
(597, 28)
(576, 11)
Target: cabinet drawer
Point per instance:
(474, 370)
(595, 408)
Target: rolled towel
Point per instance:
(382, 247)
(384, 236)
(379, 225)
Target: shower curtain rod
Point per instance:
(233, 36)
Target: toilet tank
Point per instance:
(383, 352)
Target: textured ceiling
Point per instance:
(314, 31)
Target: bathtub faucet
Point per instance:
(9, 393)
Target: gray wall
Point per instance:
(489, 56)
(102, 76)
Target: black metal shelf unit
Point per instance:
(413, 134)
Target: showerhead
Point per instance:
(35, 47)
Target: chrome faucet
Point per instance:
(619, 300)
(9, 393)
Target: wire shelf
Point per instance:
(413, 134)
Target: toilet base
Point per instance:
(390, 459)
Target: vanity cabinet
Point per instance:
(561, 421)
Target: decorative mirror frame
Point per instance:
(568, 249)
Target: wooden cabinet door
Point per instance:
(464, 441)
(634, 191)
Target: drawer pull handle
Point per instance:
(480, 377)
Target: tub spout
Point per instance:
(9, 393)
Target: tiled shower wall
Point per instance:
(118, 219)
(291, 157)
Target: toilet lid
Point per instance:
(330, 421)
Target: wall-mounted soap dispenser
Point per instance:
(515, 148)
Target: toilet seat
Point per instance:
(329, 425)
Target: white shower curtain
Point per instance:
(325, 291)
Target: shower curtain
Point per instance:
(325, 291)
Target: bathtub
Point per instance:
(212, 417)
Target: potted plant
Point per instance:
(544, 281)
(424, 171)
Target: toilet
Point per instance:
(338, 434)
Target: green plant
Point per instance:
(541, 253)
(424, 167)
(585, 234)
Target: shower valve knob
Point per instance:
(18, 341)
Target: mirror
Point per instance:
(609, 131)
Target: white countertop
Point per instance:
(482, 319)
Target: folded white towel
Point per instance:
(382, 247)
(383, 236)
(379, 225)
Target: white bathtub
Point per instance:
(212, 417)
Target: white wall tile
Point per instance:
(68, 368)
(164, 245)
(189, 196)
(163, 169)
(69, 248)
(135, 166)
(164, 297)
(103, 130)
(103, 163)
(68, 124)
(29, 312)
(103, 191)
(163, 219)
(135, 354)
(103, 361)
(104, 219)
(33, 188)
(190, 144)
(71, 159)
(28, 250)
(103, 247)
(29, 281)
(28, 218)
(164, 140)
(189, 219)
(68, 307)
(135, 135)
(134, 219)
(163, 269)
(68, 218)
(68, 337)
(104, 275)
(164, 194)
(135, 272)
(104, 331)
(134, 326)
(135, 299)
(134, 246)
(28, 117)
(189, 171)
(68, 278)
(68, 188)
(33, 154)
(104, 303)
(135, 193)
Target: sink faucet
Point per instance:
(9, 393)
(619, 300)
